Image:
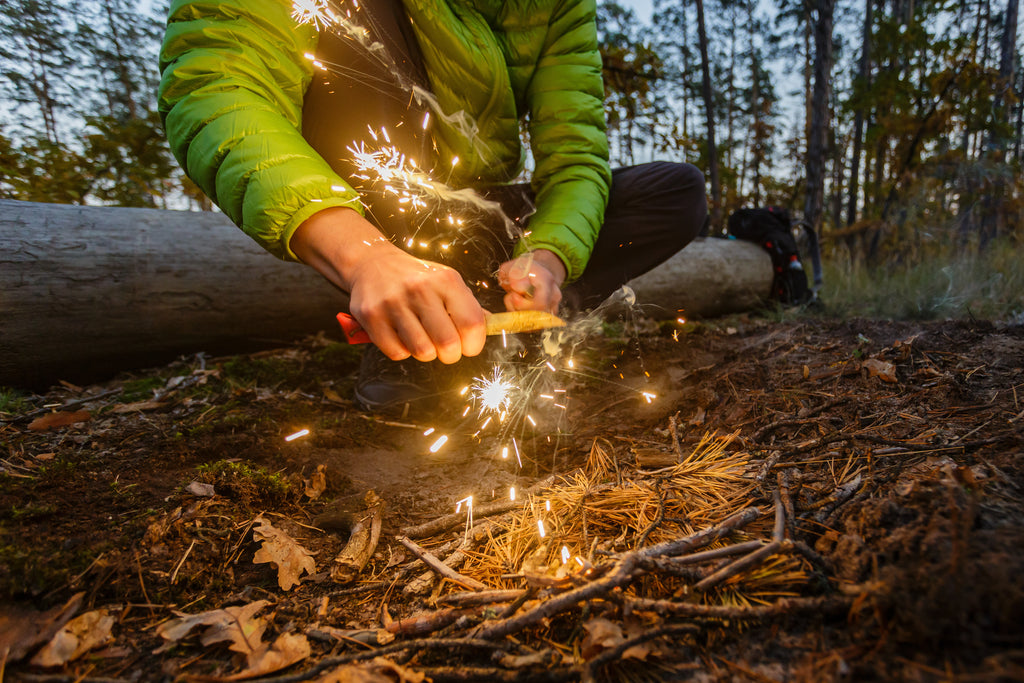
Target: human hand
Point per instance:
(408, 306)
(533, 281)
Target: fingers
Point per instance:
(529, 285)
(419, 309)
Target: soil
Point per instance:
(891, 449)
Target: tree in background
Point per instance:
(822, 17)
(84, 128)
(630, 68)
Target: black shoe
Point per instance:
(394, 388)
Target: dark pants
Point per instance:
(654, 209)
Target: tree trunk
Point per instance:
(813, 204)
(709, 112)
(1007, 62)
(863, 74)
(88, 291)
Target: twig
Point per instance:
(767, 466)
(779, 530)
(429, 622)
(518, 602)
(361, 543)
(454, 519)
(621, 573)
(174, 574)
(481, 597)
(675, 436)
(826, 604)
(787, 502)
(440, 568)
(741, 565)
(674, 565)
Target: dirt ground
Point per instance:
(161, 525)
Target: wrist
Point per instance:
(336, 242)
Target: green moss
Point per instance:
(263, 372)
(246, 482)
(141, 389)
(13, 401)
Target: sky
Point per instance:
(643, 8)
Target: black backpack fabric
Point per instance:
(771, 227)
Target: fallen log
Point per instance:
(710, 277)
(88, 291)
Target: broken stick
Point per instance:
(439, 567)
(361, 543)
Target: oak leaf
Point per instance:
(235, 624)
(282, 550)
(83, 633)
(61, 419)
(286, 650)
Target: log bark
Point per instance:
(88, 291)
(710, 277)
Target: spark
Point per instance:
(504, 453)
(468, 500)
(648, 396)
(493, 394)
(547, 505)
(548, 363)
(516, 446)
(428, 432)
(437, 444)
(296, 435)
(512, 493)
(566, 555)
(314, 12)
(426, 120)
(540, 528)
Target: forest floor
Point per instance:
(741, 500)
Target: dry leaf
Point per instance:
(601, 635)
(288, 649)
(235, 624)
(881, 369)
(243, 633)
(23, 631)
(379, 670)
(83, 633)
(282, 550)
(61, 419)
(317, 483)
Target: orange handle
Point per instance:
(354, 332)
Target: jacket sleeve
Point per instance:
(567, 133)
(233, 75)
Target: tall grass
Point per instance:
(947, 283)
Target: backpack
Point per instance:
(772, 228)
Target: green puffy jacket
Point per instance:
(234, 73)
